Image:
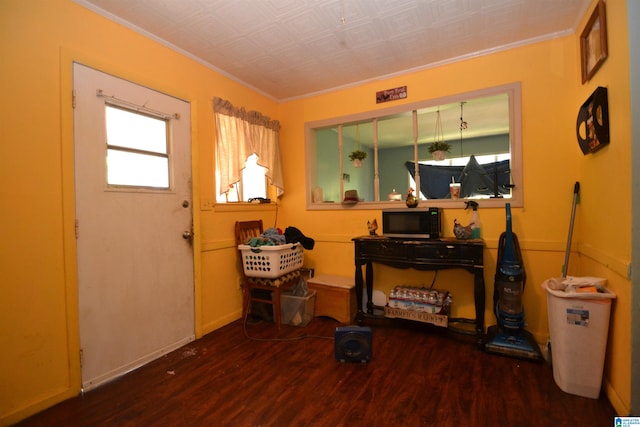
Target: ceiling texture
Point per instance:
(288, 49)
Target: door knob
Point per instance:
(187, 235)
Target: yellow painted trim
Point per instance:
(222, 321)
(217, 245)
(69, 218)
(37, 406)
(615, 400)
(525, 245)
(195, 214)
(619, 266)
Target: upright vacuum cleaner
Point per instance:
(508, 337)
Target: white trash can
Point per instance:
(579, 326)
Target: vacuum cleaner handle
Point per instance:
(509, 264)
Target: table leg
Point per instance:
(369, 279)
(479, 297)
(359, 285)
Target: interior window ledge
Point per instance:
(441, 203)
(244, 207)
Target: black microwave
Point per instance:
(412, 223)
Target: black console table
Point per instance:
(420, 254)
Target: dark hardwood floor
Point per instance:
(418, 376)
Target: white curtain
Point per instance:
(240, 133)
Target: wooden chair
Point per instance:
(245, 230)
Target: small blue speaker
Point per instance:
(353, 344)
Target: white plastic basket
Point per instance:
(578, 328)
(271, 261)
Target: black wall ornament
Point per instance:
(592, 127)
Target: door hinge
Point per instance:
(81, 357)
(73, 99)
(77, 229)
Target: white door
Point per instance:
(135, 257)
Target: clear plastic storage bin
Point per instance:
(295, 310)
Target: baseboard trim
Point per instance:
(122, 370)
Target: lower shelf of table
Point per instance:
(459, 325)
(441, 320)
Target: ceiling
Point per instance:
(287, 49)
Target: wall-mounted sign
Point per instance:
(592, 127)
(391, 94)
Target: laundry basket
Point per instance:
(271, 261)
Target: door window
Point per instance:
(137, 149)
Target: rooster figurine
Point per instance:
(462, 232)
(411, 200)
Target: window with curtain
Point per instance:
(242, 134)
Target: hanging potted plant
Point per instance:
(357, 157)
(439, 148)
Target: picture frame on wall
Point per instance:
(593, 43)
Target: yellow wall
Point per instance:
(552, 161)
(38, 309)
(604, 213)
(39, 363)
(548, 75)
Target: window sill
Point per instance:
(516, 202)
(244, 207)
